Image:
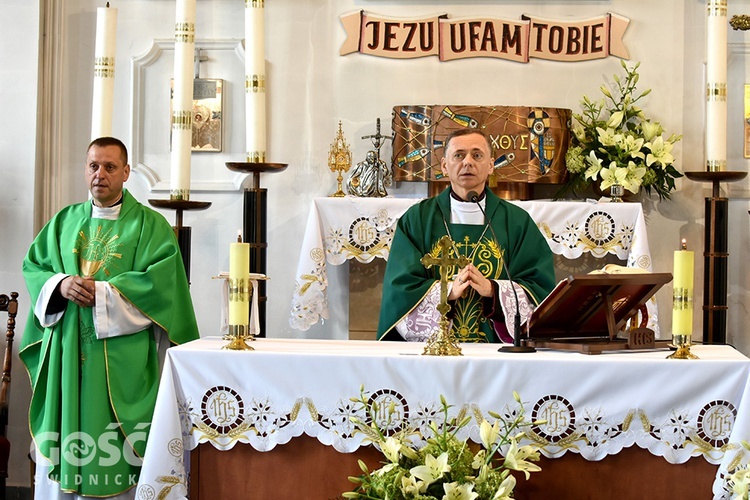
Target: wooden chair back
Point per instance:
(9, 305)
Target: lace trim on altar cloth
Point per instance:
(562, 427)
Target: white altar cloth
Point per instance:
(593, 405)
(341, 229)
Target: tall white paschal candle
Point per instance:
(182, 100)
(104, 72)
(716, 86)
(255, 81)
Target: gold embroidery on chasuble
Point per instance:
(487, 257)
(96, 252)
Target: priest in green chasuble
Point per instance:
(109, 291)
(506, 251)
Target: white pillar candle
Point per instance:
(255, 81)
(716, 85)
(104, 72)
(182, 100)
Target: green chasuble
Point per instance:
(92, 400)
(407, 281)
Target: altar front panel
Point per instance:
(594, 406)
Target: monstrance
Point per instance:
(339, 160)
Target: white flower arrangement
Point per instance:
(614, 143)
(446, 468)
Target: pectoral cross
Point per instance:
(444, 344)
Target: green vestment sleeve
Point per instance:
(102, 390)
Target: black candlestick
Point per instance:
(715, 255)
(183, 233)
(254, 220)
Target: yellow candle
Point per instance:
(239, 271)
(682, 295)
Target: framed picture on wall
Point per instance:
(207, 114)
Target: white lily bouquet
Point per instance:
(614, 143)
(446, 467)
(739, 480)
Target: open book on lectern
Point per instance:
(592, 306)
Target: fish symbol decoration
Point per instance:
(415, 117)
(503, 160)
(541, 143)
(463, 120)
(415, 155)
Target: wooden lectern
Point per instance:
(586, 312)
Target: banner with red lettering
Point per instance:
(460, 38)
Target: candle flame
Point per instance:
(684, 244)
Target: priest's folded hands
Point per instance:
(80, 290)
(470, 276)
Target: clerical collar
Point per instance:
(118, 202)
(463, 212)
(458, 198)
(111, 212)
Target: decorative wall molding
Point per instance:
(150, 174)
(737, 48)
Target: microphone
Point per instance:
(473, 197)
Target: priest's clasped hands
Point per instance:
(80, 290)
(467, 277)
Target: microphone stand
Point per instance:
(517, 346)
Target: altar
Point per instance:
(288, 404)
(582, 235)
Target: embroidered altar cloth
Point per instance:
(591, 405)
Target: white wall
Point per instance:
(311, 88)
(19, 29)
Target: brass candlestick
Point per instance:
(339, 160)
(237, 336)
(682, 343)
(443, 342)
